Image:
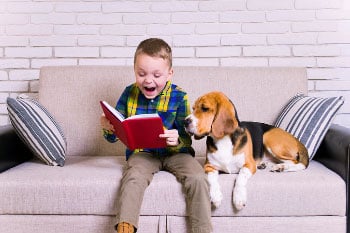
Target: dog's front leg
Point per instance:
(240, 188)
(214, 186)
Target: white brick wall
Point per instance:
(307, 33)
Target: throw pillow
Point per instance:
(37, 128)
(309, 118)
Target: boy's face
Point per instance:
(151, 74)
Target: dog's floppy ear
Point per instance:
(225, 120)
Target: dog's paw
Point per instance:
(239, 197)
(278, 167)
(216, 196)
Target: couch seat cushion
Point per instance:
(89, 184)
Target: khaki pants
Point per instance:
(138, 175)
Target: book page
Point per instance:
(114, 111)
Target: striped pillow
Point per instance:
(37, 128)
(309, 118)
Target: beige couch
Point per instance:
(80, 197)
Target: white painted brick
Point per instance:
(265, 27)
(292, 38)
(323, 73)
(343, 26)
(28, 52)
(14, 19)
(30, 29)
(135, 40)
(196, 40)
(122, 29)
(3, 97)
(243, 39)
(30, 7)
(310, 85)
(194, 17)
(99, 18)
(53, 18)
(244, 62)
(266, 51)
(126, 6)
(332, 85)
(329, 14)
(101, 41)
(3, 108)
(183, 52)
(174, 6)
(218, 51)
(293, 62)
(118, 52)
(38, 63)
(4, 120)
(290, 15)
(103, 62)
(13, 41)
(196, 62)
(76, 52)
(146, 18)
(23, 75)
(14, 63)
(270, 4)
(222, 5)
(78, 7)
(316, 50)
(218, 28)
(317, 4)
(76, 29)
(13, 86)
(1, 52)
(333, 62)
(170, 29)
(344, 50)
(334, 38)
(3, 75)
(243, 16)
(324, 26)
(342, 119)
(53, 40)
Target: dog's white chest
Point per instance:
(223, 159)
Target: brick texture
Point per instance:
(303, 33)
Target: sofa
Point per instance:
(80, 196)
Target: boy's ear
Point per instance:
(171, 72)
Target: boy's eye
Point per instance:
(142, 74)
(157, 75)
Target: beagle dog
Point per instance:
(240, 147)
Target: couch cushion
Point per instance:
(89, 184)
(38, 129)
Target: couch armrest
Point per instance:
(13, 150)
(334, 151)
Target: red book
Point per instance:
(136, 132)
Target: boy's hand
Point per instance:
(105, 124)
(172, 137)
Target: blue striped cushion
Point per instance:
(309, 118)
(37, 128)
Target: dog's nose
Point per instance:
(187, 121)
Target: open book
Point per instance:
(136, 132)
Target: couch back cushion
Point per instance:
(72, 95)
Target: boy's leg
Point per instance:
(191, 174)
(137, 176)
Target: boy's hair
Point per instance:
(155, 47)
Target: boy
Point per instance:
(154, 92)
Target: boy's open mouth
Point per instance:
(150, 88)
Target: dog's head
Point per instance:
(213, 114)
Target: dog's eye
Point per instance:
(205, 109)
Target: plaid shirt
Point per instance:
(171, 105)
